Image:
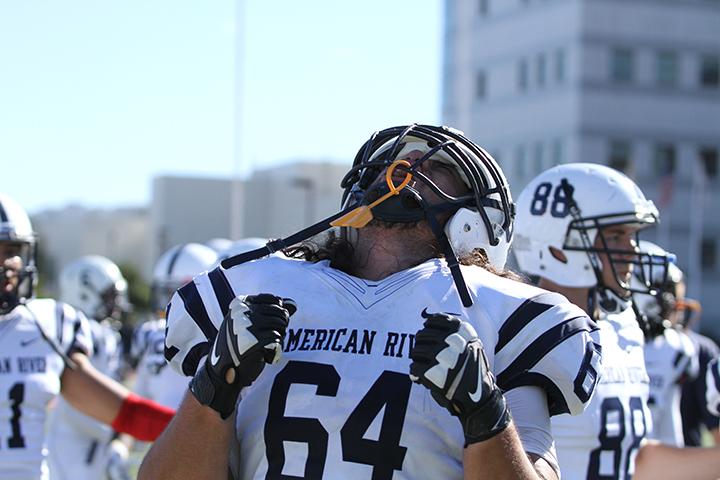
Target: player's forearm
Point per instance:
(195, 445)
(658, 462)
(500, 457)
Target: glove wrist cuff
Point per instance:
(214, 393)
(491, 418)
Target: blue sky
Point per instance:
(97, 97)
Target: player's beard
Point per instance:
(414, 242)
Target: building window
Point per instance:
(541, 68)
(560, 65)
(557, 152)
(665, 159)
(709, 158)
(710, 71)
(708, 254)
(480, 85)
(483, 7)
(622, 66)
(538, 154)
(523, 75)
(666, 67)
(619, 156)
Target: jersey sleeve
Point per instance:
(139, 341)
(550, 343)
(194, 316)
(74, 331)
(712, 387)
(686, 361)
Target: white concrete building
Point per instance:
(630, 83)
(273, 202)
(119, 234)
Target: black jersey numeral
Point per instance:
(16, 396)
(390, 391)
(612, 433)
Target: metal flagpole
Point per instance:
(236, 190)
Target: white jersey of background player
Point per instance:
(173, 269)
(575, 230)
(44, 351)
(79, 446)
(340, 404)
(670, 357)
(34, 336)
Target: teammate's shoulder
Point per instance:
(267, 265)
(543, 340)
(678, 341)
(509, 299)
(150, 325)
(49, 309)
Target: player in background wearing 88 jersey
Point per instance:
(173, 269)
(374, 309)
(44, 348)
(576, 231)
(670, 357)
(79, 446)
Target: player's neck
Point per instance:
(381, 252)
(577, 296)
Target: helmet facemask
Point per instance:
(17, 273)
(650, 270)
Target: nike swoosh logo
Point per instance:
(214, 357)
(25, 343)
(477, 394)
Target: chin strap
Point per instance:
(451, 259)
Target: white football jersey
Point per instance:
(76, 442)
(602, 442)
(154, 379)
(30, 371)
(712, 389)
(670, 359)
(340, 403)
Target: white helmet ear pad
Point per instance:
(466, 231)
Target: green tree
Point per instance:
(138, 290)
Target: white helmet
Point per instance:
(242, 246)
(15, 229)
(94, 285)
(564, 209)
(219, 244)
(176, 267)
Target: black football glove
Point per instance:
(449, 359)
(250, 336)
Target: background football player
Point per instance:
(384, 298)
(173, 269)
(44, 348)
(576, 231)
(712, 378)
(696, 418)
(79, 446)
(670, 356)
